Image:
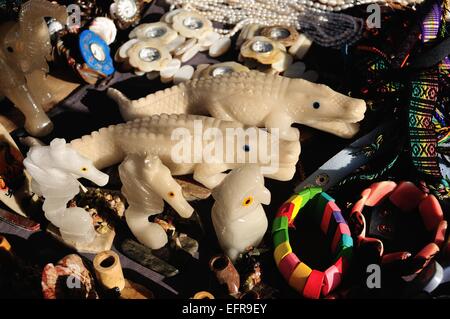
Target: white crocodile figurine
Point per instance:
(166, 135)
(255, 99)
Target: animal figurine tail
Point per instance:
(171, 101)
(146, 184)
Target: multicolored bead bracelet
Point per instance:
(309, 282)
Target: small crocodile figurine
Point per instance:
(168, 136)
(255, 99)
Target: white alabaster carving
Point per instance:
(238, 216)
(55, 170)
(256, 99)
(154, 135)
(147, 183)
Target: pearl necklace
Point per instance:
(268, 12)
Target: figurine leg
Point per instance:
(37, 122)
(210, 175)
(341, 129)
(282, 122)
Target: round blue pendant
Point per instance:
(96, 52)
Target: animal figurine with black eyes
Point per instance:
(255, 99)
(237, 215)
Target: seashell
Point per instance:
(149, 55)
(300, 47)
(168, 17)
(185, 73)
(126, 12)
(222, 68)
(287, 36)
(158, 30)
(220, 47)
(185, 46)
(122, 53)
(170, 69)
(262, 49)
(105, 28)
(247, 33)
(191, 24)
(189, 54)
(178, 41)
(283, 63)
(68, 271)
(208, 39)
(295, 70)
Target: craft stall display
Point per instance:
(146, 147)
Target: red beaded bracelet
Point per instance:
(407, 197)
(312, 283)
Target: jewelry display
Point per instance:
(306, 16)
(170, 43)
(175, 112)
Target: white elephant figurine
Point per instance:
(147, 183)
(237, 215)
(55, 170)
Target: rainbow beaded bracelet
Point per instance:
(309, 282)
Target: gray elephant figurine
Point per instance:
(25, 49)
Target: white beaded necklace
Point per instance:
(268, 12)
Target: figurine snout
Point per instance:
(265, 196)
(356, 109)
(182, 207)
(99, 178)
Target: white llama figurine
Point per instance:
(238, 216)
(147, 183)
(55, 170)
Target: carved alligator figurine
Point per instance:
(168, 136)
(255, 99)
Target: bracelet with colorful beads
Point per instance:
(309, 282)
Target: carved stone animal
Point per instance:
(55, 170)
(147, 183)
(168, 136)
(24, 49)
(255, 99)
(237, 214)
